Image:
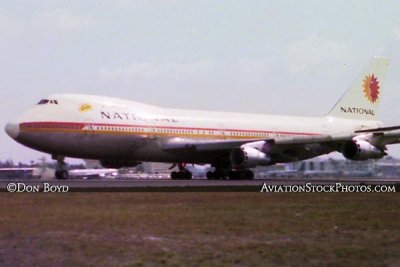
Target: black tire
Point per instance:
(233, 175)
(188, 175)
(174, 175)
(218, 175)
(249, 174)
(62, 175)
(210, 175)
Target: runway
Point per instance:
(200, 185)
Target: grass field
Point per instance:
(199, 229)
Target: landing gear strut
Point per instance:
(61, 169)
(182, 174)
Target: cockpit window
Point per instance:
(46, 101)
(43, 101)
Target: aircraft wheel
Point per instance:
(218, 175)
(62, 175)
(174, 175)
(233, 175)
(249, 175)
(210, 175)
(181, 175)
(188, 175)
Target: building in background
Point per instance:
(388, 167)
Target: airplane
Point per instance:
(18, 172)
(198, 171)
(121, 133)
(94, 173)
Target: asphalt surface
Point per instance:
(183, 185)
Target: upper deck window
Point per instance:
(46, 101)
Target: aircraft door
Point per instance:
(89, 128)
(221, 131)
(151, 129)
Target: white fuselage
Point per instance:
(96, 127)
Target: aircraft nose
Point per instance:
(12, 129)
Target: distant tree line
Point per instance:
(11, 164)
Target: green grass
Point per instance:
(199, 229)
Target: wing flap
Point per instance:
(275, 146)
(312, 140)
(383, 136)
(386, 138)
(204, 145)
(381, 129)
(289, 148)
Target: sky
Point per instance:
(277, 57)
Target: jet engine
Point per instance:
(117, 164)
(248, 157)
(361, 150)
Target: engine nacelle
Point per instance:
(117, 164)
(248, 157)
(361, 150)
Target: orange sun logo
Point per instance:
(371, 88)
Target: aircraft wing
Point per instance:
(274, 145)
(178, 144)
(291, 148)
(381, 129)
(383, 136)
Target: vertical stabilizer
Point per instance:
(361, 100)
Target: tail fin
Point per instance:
(361, 100)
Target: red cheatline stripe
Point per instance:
(46, 124)
(75, 125)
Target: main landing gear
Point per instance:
(232, 175)
(61, 168)
(182, 174)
